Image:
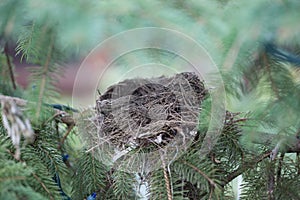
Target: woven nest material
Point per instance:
(151, 112)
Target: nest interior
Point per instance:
(146, 112)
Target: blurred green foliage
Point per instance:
(49, 33)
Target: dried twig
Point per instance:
(43, 185)
(298, 163)
(279, 168)
(271, 180)
(66, 135)
(210, 181)
(10, 68)
(166, 176)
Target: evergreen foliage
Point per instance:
(89, 177)
(255, 45)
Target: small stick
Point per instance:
(166, 176)
(65, 136)
(10, 69)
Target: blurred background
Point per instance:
(232, 32)
(254, 44)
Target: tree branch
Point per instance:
(10, 68)
(66, 135)
(35, 176)
(66, 119)
(271, 180)
(244, 168)
(291, 145)
(43, 185)
(279, 168)
(298, 162)
(287, 143)
(210, 181)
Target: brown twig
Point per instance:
(279, 167)
(166, 176)
(62, 141)
(10, 68)
(210, 181)
(43, 185)
(271, 180)
(298, 163)
(13, 178)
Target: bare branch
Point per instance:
(10, 68)
(271, 181)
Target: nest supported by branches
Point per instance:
(151, 112)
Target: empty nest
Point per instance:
(151, 112)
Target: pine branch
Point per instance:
(288, 143)
(244, 168)
(159, 183)
(273, 85)
(43, 185)
(26, 46)
(40, 179)
(38, 44)
(45, 76)
(123, 185)
(263, 140)
(210, 181)
(232, 53)
(90, 176)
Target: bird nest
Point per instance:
(151, 113)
